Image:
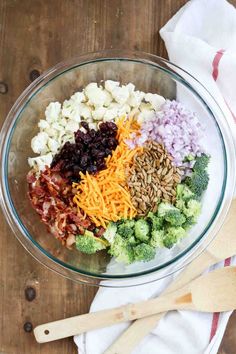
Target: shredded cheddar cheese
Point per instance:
(105, 197)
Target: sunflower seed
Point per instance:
(152, 178)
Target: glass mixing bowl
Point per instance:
(149, 74)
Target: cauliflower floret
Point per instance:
(120, 109)
(72, 110)
(53, 145)
(78, 97)
(75, 111)
(99, 113)
(134, 111)
(120, 94)
(52, 112)
(57, 126)
(155, 100)
(136, 98)
(115, 105)
(66, 137)
(40, 162)
(111, 114)
(53, 133)
(71, 126)
(76, 114)
(145, 115)
(110, 85)
(85, 111)
(145, 106)
(43, 124)
(95, 94)
(125, 109)
(63, 122)
(130, 87)
(108, 99)
(66, 108)
(39, 143)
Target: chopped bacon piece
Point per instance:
(31, 178)
(51, 196)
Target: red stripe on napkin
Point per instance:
(216, 315)
(214, 324)
(215, 73)
(216, 62)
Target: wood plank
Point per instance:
(35, 35)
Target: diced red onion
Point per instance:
(177, 128)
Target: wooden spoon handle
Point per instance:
(130, 338)
(83, 323)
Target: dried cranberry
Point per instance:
(92, 169)
(76, 169)
(98, 154)
(92, 133)
(67, 145)
(87, 139)
(107, 151)
(79, 136)
(112, 126)
(112, 143)
(84, 160)
(85, 125)
(101, 166)
(103, 127)
(88, 152)
(104, 142)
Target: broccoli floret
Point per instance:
(189, 223)
(180, 204)
(122, 250)
(199, 179)
(157, 237)
(183, 192)
(155, 220)
(126, 228)
(142, 230)
(164, 209)
(171, 214)
(144, 252)
(110, 232)
(132, 240)
(201, 163)
(175, 217)
(90, 244)
(173, 235)
(193, 209)
(198, 182)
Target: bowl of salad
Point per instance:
(116, 165)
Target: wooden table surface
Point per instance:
(35, 35)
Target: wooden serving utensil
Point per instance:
(206, 293)
(222, 247)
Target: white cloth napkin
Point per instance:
(201, 38)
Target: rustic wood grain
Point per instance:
(35, 35)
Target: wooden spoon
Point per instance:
(206, 293)
(222, 247)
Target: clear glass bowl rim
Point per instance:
(14, 115)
